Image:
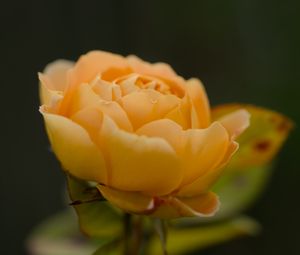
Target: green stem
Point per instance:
(127, 233)
(133, 234)
(162, 231)
(137, 236)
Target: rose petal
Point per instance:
(205, 182)
(83, 97)
(156, 69)
(127, 84)
(74, 148)
(97, 62)
(147, 105)
(48, 96)
(200, 110)
(86, 97)
(90, 118)
(203, 205)
(54, 81)
(94, 63)
(139, 163)
(262, 140)
(200, 150)
(160, 70)
(236, 122)
(133, 202)
(56, 74)
(166, 129)
(106, 90)
(181, 113)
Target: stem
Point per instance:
(133, 234)
(127, 233)
(137, 236)
(162, 231)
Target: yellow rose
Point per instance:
(140, 131)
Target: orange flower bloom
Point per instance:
(140, 131)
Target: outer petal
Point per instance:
(200, 150)
(139, 163)
(83, 97)
(133, 202)
(54, 81)
(205, 182)
(108, 65)
(157, 69)
(90, 118)
(48, 96)
(162, 207)
(97, 62)
(166, 129)
(200, 110)
(236, 122)
(262, 140)
(74, 148)
(203, 205)
(56, 73)
(204, 150)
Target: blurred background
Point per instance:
(243, 51)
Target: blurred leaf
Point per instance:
(183, 240)
(249, 170)
(96, 218)
(261, 141)
(59, 235)
(114, 248)
(238, 190)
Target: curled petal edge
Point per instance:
(204, 205)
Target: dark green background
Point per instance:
(243, 51)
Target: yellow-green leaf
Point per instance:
(60, 235)
(96, 218)
(184, 240)
(262, 140)
(247, 173)
(237, 190)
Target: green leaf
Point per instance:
(60, 235)
(238, 190)
(246, 175)
(261, 141)
(183, 240)
(96, 217)
(113, 248)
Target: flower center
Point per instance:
(144, 82)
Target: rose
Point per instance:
(138, 130)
